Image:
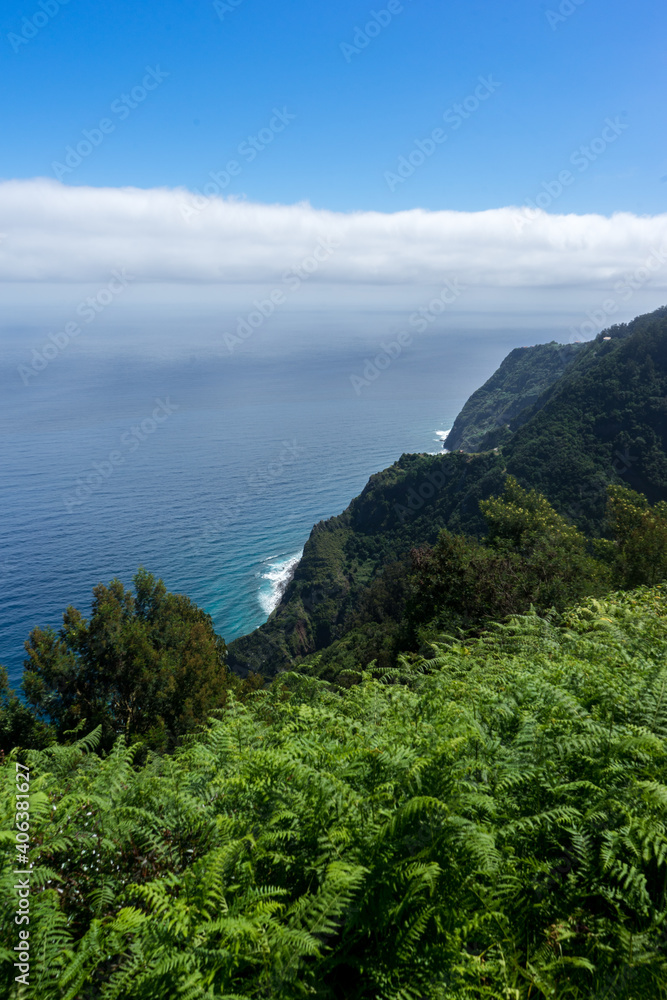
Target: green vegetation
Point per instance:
(523, 377)
(492, 823)
(148, 666)
(18, 725)
(641, 530)
(530, 557)
(484, 818)
(602, 422)
(460, 789)
(346, 554)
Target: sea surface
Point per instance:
(209, 470)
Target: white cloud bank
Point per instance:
(59, 234)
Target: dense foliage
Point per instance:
(19, 726)
(492, 824)
(404, 506)
(530, 557)
(459, 792)
(523, 377)
(147, 665)
(641, 533)
(602, 422)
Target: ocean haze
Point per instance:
(207, 468)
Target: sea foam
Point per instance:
(274, 577)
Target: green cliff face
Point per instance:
(522, 378)
(401, 507)
(602, 421)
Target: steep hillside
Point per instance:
(492, 826)
(524, 375)
(403, 506)
(603, 421)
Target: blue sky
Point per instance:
(557, 78)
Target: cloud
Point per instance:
(60, 234)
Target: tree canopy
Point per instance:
(147, 665)
(490, 824)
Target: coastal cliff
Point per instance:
(524, 375)
(602, 420)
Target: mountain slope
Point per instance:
(403, 506)
(603, 421)
(499, 816)
(524, 375)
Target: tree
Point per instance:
(556, 565)
(531, 556)
(19, 727)
(640, 533)
(145, 665)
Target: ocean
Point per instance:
(206, 468)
